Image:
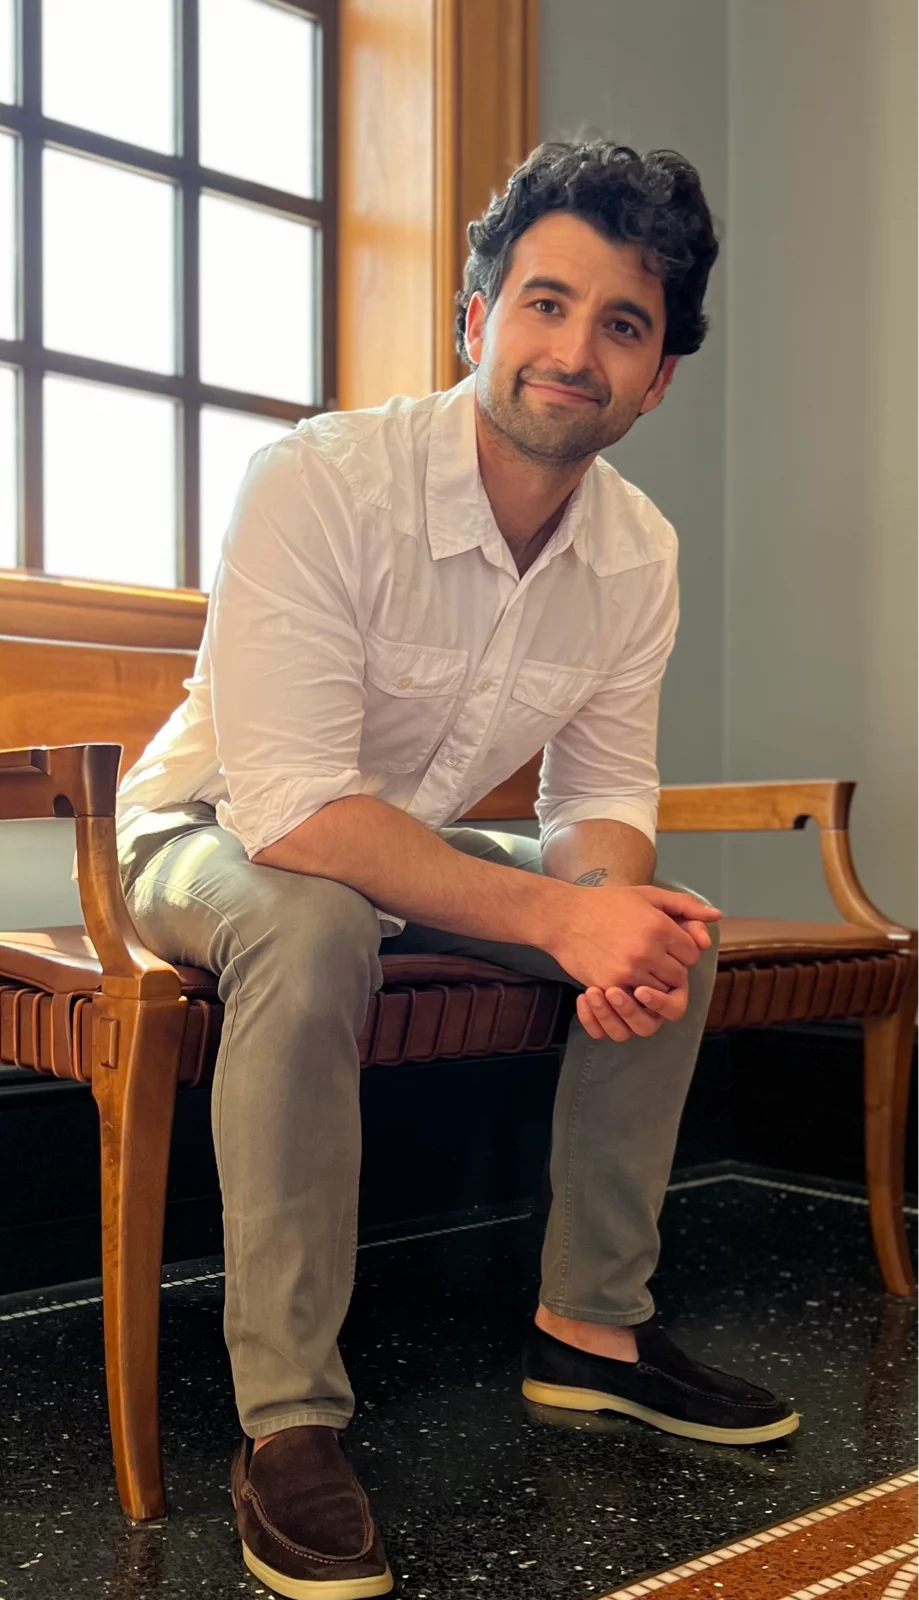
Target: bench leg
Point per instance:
(888, 1062)
(136, 1099)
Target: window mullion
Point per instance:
(30, 192)
(187, 283)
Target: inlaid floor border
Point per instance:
(895, 1591)
(465, 1227)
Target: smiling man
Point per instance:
(411, 603)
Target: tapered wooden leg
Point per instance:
(888, 1061)
(135, 1067)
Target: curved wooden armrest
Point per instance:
(80, 781)
(754, 807)
(69, 780)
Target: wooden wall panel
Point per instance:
(386, 201)
(487, 122)
(438, 104)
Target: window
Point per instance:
(167, 270)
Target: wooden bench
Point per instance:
(90, 1003)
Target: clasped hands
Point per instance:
(621, 1013)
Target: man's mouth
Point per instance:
(562, 394)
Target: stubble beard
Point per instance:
(554, 438)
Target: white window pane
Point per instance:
(228, 440)
(258, 67)
(258, 301)
(9, 252)
(108, 65)
(110, 483)
(8, 73)
(9, 459)
(109, 262)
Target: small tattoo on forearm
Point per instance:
(595, 876)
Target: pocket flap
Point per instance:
(552, 688)
(401, 668)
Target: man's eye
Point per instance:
(623, 327)
(542, 304)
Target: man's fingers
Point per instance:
(678, 904)
(699, 932)
(589, 1014)
(665, 970)
(641, 1022)
(681, 946)
(669, 1007)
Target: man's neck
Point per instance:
(528, 498)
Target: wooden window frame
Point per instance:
(437, 103)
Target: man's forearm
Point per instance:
(599, 851)
(404, 868)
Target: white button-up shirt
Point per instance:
(368, 632)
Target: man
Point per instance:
(411, 603)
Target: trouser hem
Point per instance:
(624, 1319)
(297, 1419)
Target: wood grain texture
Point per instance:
(487, 84)
(888, 1063)
(59, 693)
(753, 807)
(36, 607)
(385, 201)
(437, 107)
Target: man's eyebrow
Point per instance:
(558, 286)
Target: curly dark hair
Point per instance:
(654, 200)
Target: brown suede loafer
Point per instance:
(304, 1519)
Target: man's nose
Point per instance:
(573, 349)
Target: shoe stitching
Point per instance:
(679, 1383)
(304, 1550)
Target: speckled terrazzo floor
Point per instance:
(477, 1492)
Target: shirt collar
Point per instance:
(457, 509)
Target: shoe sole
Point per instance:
(552, 1394)
(317, 1588)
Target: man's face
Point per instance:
(569, 354)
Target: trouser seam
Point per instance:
(571, 1141)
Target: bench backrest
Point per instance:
(58, 692)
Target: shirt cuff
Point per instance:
(257, 824)
(642, 817)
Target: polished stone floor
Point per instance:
(478, 1493)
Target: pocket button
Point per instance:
(403, 683)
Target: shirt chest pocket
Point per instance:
(410, 691)
(545, 696)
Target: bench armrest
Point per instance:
(80, 781)
(755, 807)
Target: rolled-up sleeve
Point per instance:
(287, 659)
(603, 763)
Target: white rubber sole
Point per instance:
(317, 1589)
(555, 1394)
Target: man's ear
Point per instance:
(476, 312)
(660, 385)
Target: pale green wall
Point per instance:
(820, 664)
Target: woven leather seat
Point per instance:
(431, 1006)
